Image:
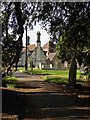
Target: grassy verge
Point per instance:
(9, 81)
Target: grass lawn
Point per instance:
(55, 76)
(62, 73)
(9, 81)
(60, 76)
(22, 69)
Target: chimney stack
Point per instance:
(38, 37)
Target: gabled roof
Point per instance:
(35, 56)
(50, 47)
(51, 56)
(31, 47)
(45, 47)
(23, 49)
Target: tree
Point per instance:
(8, 54)
(67, 20)
(63, 19)
(12, 17)
(75, 39)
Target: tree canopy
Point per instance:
(70, 20)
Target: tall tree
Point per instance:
(60, 19)
(14, 17)
(68, 20)
(11, 19)
(75, 38)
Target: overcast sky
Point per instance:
(33, 35)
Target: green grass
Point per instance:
(60, 73)
(49, 72)
(9, 81)
(22, 69)
(56, 79)
(55, 76)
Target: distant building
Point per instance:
(41, 57)
(49, 47)
(38, 57)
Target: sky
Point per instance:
(33, 35)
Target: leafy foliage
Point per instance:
(12, 20)
(8, 53)
(70, 20)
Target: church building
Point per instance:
(38, 57)
(44, 57)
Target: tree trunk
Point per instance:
(16, 67)
(21, 30)
(72, 73)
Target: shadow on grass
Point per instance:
(62, 81)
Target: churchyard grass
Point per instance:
(60, 76)
(55, 76)
(49, 72)
(56, 79)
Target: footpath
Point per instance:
(35, 99)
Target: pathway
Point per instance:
(35, 83)
(34, 99)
